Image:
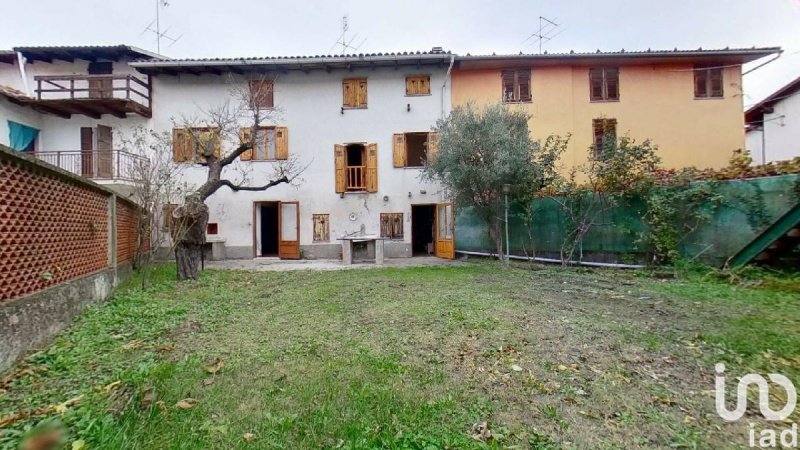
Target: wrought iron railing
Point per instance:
(71, 87)
(97, 164)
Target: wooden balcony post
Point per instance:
(128, 87)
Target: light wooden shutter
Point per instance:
(348, 93)
(339, 155)
(179, 144)
(433, 147)
(362, 94)
(372, 168)
(216, 134)
(281, 143)
(244, 138)
(386, 225)
(524, 83)
(399, 149)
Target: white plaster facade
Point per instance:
(778, 137)
(310, 107)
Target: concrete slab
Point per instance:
(280, 265)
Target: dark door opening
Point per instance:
(100, 87)
(422, 229)
(269, 228)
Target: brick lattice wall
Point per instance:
(126, 231)
(52, 229)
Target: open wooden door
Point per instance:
(105, 159)
(445, 231)
(289, 220)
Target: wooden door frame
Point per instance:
(256, 224)
(452, 228)
(412, 225)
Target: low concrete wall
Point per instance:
(30, 322)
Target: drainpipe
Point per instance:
(447, 77)
(21, 60)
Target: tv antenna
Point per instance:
(342, 40)
(157, 30)
(548, 29)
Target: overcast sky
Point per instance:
(272, 28)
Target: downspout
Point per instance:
(21, 60)
(447, 77)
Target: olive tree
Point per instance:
(482, 150)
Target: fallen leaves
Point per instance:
(215, 366)
(481, 431)
(208, 381)
(187, 403)
(38, 412)
(133, 344)
(249, 437)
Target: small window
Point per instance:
(261, 94)
(418, 85)
(604, 84)
(392, 225)
(185, 141)
(413, 149)
(708, 82)
(168, 222)
(354, 92)
(322, 227)
(605, 135)
(212, 228)
(516, 86)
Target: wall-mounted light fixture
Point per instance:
(342, 109)
(408, 107)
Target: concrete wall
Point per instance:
(310, 106)
(656, 102)
(30, 322)
(780, 133)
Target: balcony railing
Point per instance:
(95, 87)
(97, 164)
(355, 178)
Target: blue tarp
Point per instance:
(20, 136)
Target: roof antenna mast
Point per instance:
(547, 27)
(346, 45)
(157, 30)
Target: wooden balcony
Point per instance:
(112, 165)
(356, 181)
(91, 95)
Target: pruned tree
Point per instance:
(214, 139)
(482, 150)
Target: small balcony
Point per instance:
(98, 165)
(356, 180)
(92, 95)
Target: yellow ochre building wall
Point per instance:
(656, 102)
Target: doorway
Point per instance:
(423, 228)
(99, 86)
(97, 159)
(268, 229)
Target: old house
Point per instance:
(773, 125)
(689, 102)
(362, 126)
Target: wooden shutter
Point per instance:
(700, 83)
(524, 83)
(612, 84)
(281, 143)
(261, 93)
(386, 225)
(508, 85)
(399, 149)
(244, 138)
(418, 85)
(372, 168)
(348, 93)
(596, 84)
(216, 134)
(433, 146)
(180, 145)
(339, 157)
(321, 227)
(361, 96)
(715, 82)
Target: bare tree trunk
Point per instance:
(193, 219)
(495, 234)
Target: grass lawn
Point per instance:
(467, 356)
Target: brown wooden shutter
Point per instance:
(349, 93)
(524, 82)
(399, 149)
(372, 168)
(179, 145)
(244, 138)
(339, 158)
(596, 84)
(411, 86)
(433, 146)
(612, 84)
(281, 143)
(700, 83)
(216, 134)
(386, 225)
(508, 85)
(715, 82)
